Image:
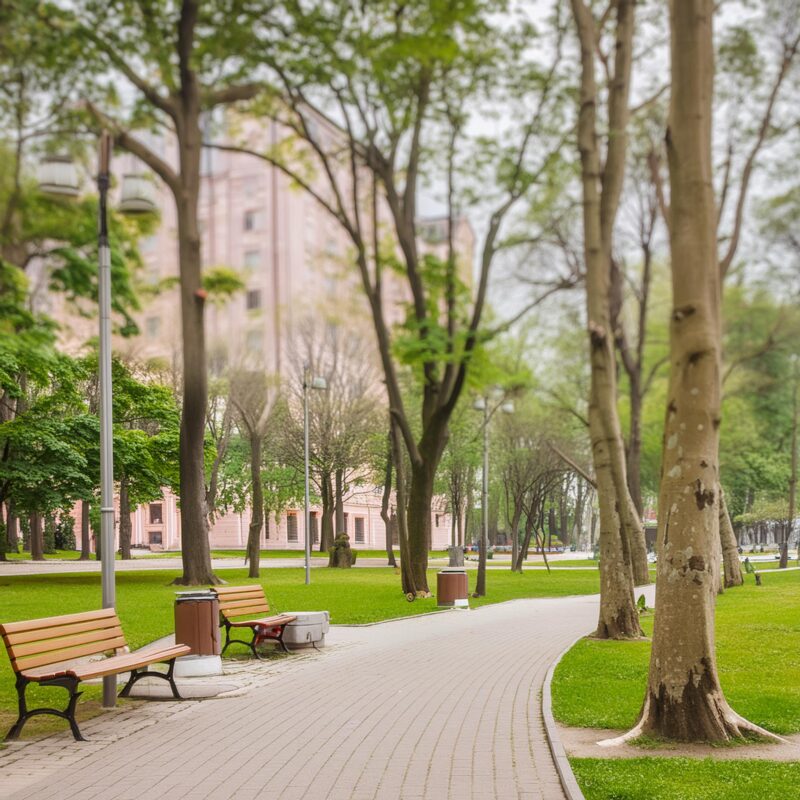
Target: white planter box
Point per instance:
(308, 629)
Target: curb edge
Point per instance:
(565, 773)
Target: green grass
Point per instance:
(686, 779)
(145, 605)
(600, 684)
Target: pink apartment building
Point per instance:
(295, 261)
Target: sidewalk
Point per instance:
(442, 706)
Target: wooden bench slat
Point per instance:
(231, 613)
(49, 622)
(233, 598)
(22, 637)
(55, 657)
(250, 601)
(99, 637)
(127, 662)
(281, 619)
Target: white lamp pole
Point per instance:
(308, 383)
(107, 549)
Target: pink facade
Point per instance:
(296, 263)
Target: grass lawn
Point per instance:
(145, 606)
(686, 779)
(600, 684)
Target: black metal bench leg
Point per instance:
(68, 683)
(168, 676)
(280, 640)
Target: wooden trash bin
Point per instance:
(452, 588)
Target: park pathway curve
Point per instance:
(445, 707)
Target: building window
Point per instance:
(291, 527)
(152, 327)
(314, 529)
(346, 526)
(253, 299)
(156, 517)
(359, 526)
(154, 537)
(252, 260)
(252, 221)
(436, 521)
(266, 527)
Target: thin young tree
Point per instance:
(623, 557)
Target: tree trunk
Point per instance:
(339, 502)
(385, 516)
(600, 205)
(13, 529)
(619, 617)
(420, 496)
(37, 538)
(86, 536)
(684, 700)
(633, 452)
(195, 550)
(406, 572)
(326, 535)
(731, 565)
(257, 518)
(516, 561)
(125, 527)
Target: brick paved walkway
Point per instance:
(441, 707)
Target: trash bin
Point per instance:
(452, 588)
(197, 624)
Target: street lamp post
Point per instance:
(58, 177)
(308, 383)
(106, 435)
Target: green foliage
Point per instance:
(49, 534)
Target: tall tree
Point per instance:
(684, 699)
(182, 59)
(623, 557)
(398, 79)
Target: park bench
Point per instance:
(246, 601)
(56, 651)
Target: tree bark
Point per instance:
(125, 527)
(385, 515)
(13, 528)
(731, 565)
(684, 700)
(602, 186)
(516, 562)
(326, 535)
(420, 496)
(37, 540)
(86, 535)
(339, 502)
(257, 518)
(406, 572)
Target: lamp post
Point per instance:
(308, 383)
(58, 177)
(482, 404)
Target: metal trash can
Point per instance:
(452, 588)
(197, 624)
